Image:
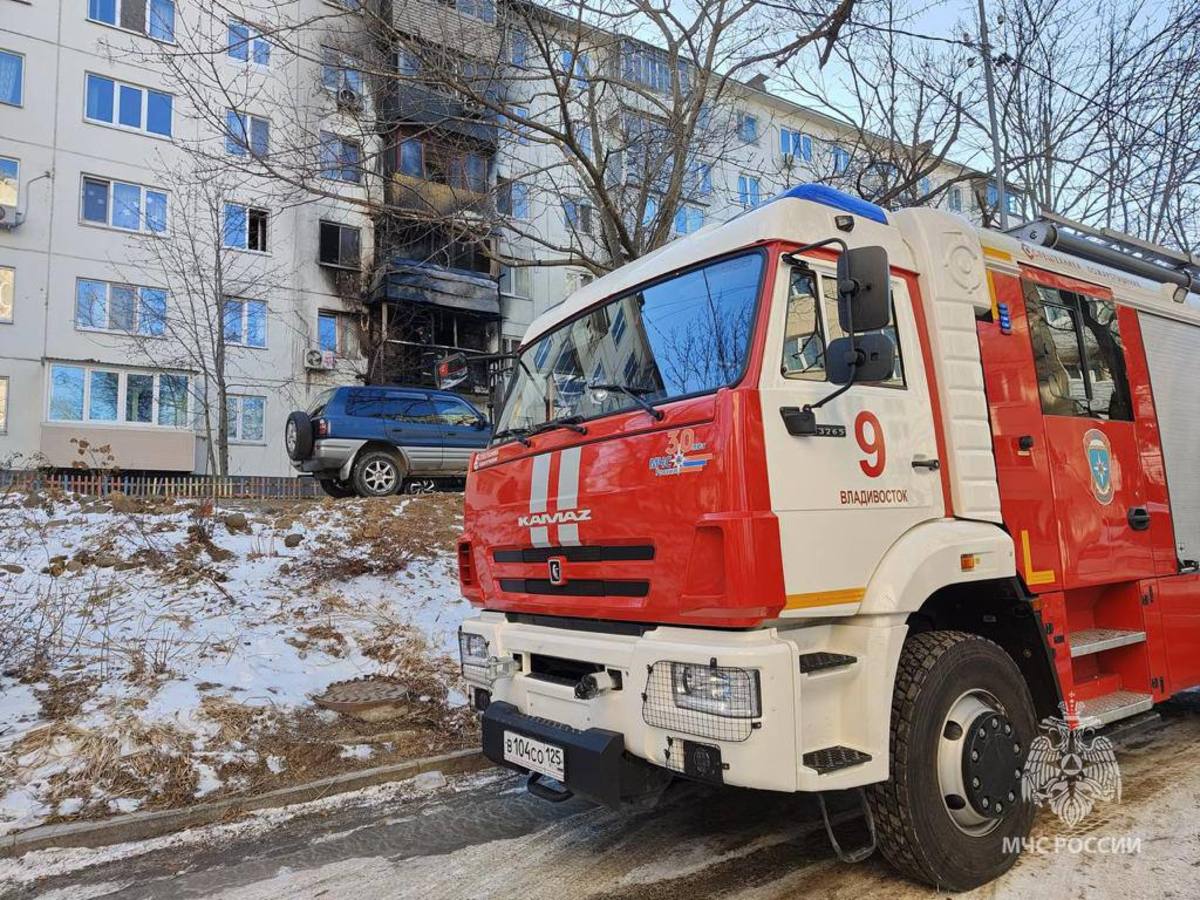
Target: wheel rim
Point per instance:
(379, 476)
(289, 437)
(422, 486)
(979, 763)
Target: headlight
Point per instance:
(719, 690)
(472, 649)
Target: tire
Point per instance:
(377, 473)
(920, 832)
(421, 486)
(336, 488)
(298, 435)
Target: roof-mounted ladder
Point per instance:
(1114, 249)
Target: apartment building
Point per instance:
(151, 260)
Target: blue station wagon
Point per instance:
(378, 440)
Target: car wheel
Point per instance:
(298, 435)
(377, 474)
(420, 486)
(336, 488)
(952, 812)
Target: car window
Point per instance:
(413, 410)
(320, 402)
(368, 404)
(452, 411)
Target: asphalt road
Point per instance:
(484, 837)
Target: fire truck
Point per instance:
(833, 498)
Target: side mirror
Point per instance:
(875, 355)
(451, 371)
(864, 290)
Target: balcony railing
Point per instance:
(422, 105)
(407, 192)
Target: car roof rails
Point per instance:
(1114, 249)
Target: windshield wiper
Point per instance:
(520, 434)
(571, 422)
(632, 393)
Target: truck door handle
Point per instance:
(1139, 518)
(931, 464)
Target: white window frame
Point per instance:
(116, 119)
(752, 200)
(142, 189)
(254, 35)
(339, 333)
(246, 120)
(4, 380)
(954, 199)
(122, 396)
(235, 436)
(12, 312)
(13, 159)
(137, 309)
(118, 4)
(245, 302)
(342, 62)
(518, 286)
(248, 208)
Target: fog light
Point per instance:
(719, 690)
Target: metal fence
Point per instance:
(253, 487)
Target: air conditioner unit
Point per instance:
(8, 217)
(348, 98)
(320, 360)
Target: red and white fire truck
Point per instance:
(829, 497)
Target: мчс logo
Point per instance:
(1070, 768)
(1098, 453)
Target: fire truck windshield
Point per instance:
(681, 336)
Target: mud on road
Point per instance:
(484, 837)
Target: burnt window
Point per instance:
(1078, 354)
(256, 238)
(340, 245)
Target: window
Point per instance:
(577, 214)
(245, 133)
(245, 227)
(749, 193)
(341, 160)
(841, 160)
(412, 158)
(651, 67)
(8, 292)
(519, 131)
(10, 181)
(119, 204)
(513, 199)
(1078, 354)
(245, 322)
(796, 144)
(518, 47)
(811, 324)
(454, 412)
(747, 127)
(3, 404)
(617, 329)
(688, 219)
(649, 211)
(244, 415)
(86, 394)
(924, 186)
(338, 72)
(517, 280)
(12, 78)
(701, 181)
(155, 18)
(340, 245)
(247, 44)
(584, 134)
(575, 67)
(484, 10)
(105, 306)
(329, 331)
(954, 198)
(111, 102)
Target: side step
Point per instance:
(1097, 640)
(831, 759)
(822, 660)
(1111, 707)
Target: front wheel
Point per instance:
(334, 487)
(952, 813)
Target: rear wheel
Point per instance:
(952, 813)
(420, 486)
(376, 473)
(335, 487)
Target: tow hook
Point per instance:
(597, 683)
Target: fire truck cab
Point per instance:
(829, 497)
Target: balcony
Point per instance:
(432, 198)
(411, 281)
(422, 105)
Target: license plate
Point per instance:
(535, 755)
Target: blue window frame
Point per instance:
(749, 191)
(12, 78)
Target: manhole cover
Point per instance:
(363, 695)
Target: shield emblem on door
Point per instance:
(1099, 459)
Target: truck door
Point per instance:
(843, 497)
(1078, 357)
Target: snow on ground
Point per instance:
(157, 652)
